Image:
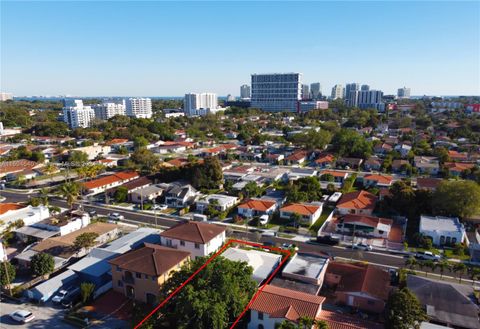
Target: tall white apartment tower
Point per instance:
(194, 102)
(403, 92)
(276, 92)
(76, 115)
(337, 92)
(138, 107)
(316, 90)
(245, 92)
(108, 110)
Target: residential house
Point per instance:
(325, 161)
(139, 273)
(365, 287)
(358, 202)
(306, 267)
(12, 212)
(297, 173)
(131, 186)
(181, 196)
(147, 193)
(457, 168)
(403, 149)
(104, 183)
(199, 239)
(458, 156)
(399, 165)
(352, 163)
(93, 151)
(373, 163)
(219, 201)
(430, 184)
(383, 149)
(308, 213)
(274, 158)
(275, 305)
(442, 230)
(256, 208)
(446, 303)
(15, 166)
(426, 165)
(296, 158)
(338, 176)
(363, 225)
(377, 180)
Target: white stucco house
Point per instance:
(12, 212)
(200, 239)
(219, 201)
(443, 230)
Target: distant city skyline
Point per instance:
(87, 49)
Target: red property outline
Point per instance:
(286, 252)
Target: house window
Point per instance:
(138, 275)
(169, 242)
(119, 269)
(197, 246)
(120, 283)
(182, 243)
(260, 315)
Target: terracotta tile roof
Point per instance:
(285, 303)
(367, 220)
(301, 209)
(458, 166)
(117, 141)
(110, 179)
(428, 183)
(344, 321)
(325, 158)
(383, 179)
(361, 278)
(457, 155)
(16, 165)
(334, 173)
(194, 232)
(296, 156)
(180, 162)
(4, 207)
(358, 200)
(152, 259)
(259, 205)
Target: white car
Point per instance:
(115, 216)
(362, 246)
(60, 296)
(160, 207)
(22, 316)
(427, 255)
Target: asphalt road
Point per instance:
(382, 258)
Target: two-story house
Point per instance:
(181, 196)
(139, 273)
(199, 239)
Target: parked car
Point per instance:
(115, 216)
(161, 207)
(362, 246)
(327, 239)
(92, 213)
(289, 246)
(200, 218)
(427, 255)
(268, 244)
(22, 316)
(60, 296)
(269, 233)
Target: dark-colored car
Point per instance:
(327, 239)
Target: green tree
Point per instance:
(70, 191)
(457, 198)
(285, 324)
(442, 266)
(86, 291)
(403, 311)
(411, 263)
(213, 299)
(77, 158)
(7, 273)
(121, 194)
(348, 142)
(304, 189)
(42, 264)
(85, 240)
(460, 269)
(208, 175)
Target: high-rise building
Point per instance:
(276, 92)
(305, 92)
(76, 115)
(316, 90)
(230, 98)
(365, 88)
(5, 96)
(109, 109)
(139, 107)
(369, 99)
(200, 104)
(351, 93)
(403, 92)
(337, 92)
(245, 92)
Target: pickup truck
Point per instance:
(427, 255)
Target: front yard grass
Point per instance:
(323, 217)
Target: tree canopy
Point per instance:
(403, 311)
(208, 175)
(42, 263)
(457, 198)
(304, 189)
(85, 240)
(6, 277)
(348, 142)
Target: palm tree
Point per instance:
(429, 264)
(460, 268)
(305, 322)
(320, 324)
(70, 191)
(43, 195)
(474, 273)
(442, 266)
(411, 263)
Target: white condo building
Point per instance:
(337, 92)
(245, 92)
(108, 110)
(277, 92)
(5, 96)
(76, 115)
(403, 92)
(200, 103)
(139, 107)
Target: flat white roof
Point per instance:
(440, 223)
(306, 265)
(262, 262)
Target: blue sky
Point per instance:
(170, 48)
